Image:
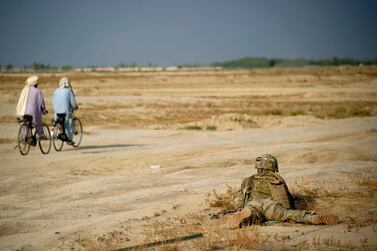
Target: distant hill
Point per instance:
(262, 62)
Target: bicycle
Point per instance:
(59, 136)
(27, 136)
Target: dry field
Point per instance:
(204, 129)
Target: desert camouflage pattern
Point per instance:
(275, 211)
(268, 195)
(264, 186)
(265, 196)
(267, 161)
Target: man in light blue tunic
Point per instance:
(64, 102)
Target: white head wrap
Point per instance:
(32, 80)
(64, 82)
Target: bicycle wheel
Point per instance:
(45, 144)
(24, 136)
(57, 142)
(77, 132)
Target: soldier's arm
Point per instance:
(239, 199)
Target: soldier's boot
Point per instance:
(235, 220)
(327, 219)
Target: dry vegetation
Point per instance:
(150, 102)
(199, 106)
(312, 195)
(346, 196)
(218, 237)
(223, 201)
(215, 236)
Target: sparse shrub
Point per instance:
(274, 111)
(297, 112)
(340, 112)
(7, 140)
(215, 236)
(307, 192)
(192, 127)
(358, 112)
(220, 239)
(105, 242)
(326, 243)
(304, 186)
(225, 200)
(354, 111)
(211, 128)
(366, 179)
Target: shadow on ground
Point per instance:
(104, 148)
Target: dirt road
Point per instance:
(123, 179)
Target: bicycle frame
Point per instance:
(27, 136)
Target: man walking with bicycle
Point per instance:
(64, 104)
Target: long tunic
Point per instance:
(64, 101)
(35, 107)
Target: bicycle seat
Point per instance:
(60, 117)
(27, 118)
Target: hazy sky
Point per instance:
(169, 32)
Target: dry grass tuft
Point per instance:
(7, 140)
(103, 242)
(297, 112)
(304, 186)
(314, 195)
(220, 238)
(192, 127)
(350, 111)
(367, 180)
(309, 195)
(272, 111)
(329, 243)
(366, 194)
(372, 130)
(215, 236)
(211, 128)
(249, 238)
(225, 200)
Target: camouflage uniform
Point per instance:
(268, 194)
(265, 196)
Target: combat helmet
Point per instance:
(267, 161)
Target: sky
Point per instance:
(175, 32)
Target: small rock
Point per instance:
(214, 216)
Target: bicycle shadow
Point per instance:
(103, 148)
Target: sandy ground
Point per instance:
(108, 189)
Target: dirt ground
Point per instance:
(157, 144)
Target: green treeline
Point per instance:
(262, 62)
(246, 62)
